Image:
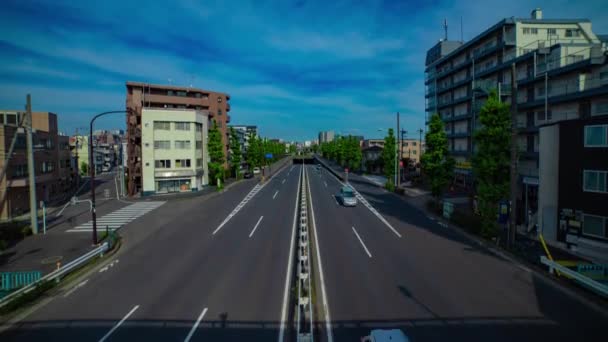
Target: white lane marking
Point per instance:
(335, 199)
(283, 182)
(324, 182)
(289, 258)
(362, 244)
(367, 205)
(81, 284)
(198, 321)
(256, 226)
(330, 337)
(275, 194)
(105, 337)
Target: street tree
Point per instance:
(235, 152)
(491, 163)
(388, 157)
(437, 164)
(216, 154)
(253, 151)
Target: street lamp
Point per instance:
(92, 169)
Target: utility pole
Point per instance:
(30, 165)
(420, 143)
(399, 150)
(513, 178)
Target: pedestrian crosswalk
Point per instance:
(120, 217)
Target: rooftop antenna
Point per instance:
(461, 34)
(445, 28)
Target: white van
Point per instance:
(380, 335)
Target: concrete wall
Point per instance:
(548, 181)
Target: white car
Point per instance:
(256, 170)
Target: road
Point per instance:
(216, 269)
(413, 274)
(175, 278)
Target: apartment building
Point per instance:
(573, 190)
(326, 136)
(142, 96)
(411, 149)
(245, 131)
(561, 55)
(174, 150)
(54, 173)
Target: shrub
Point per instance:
(469, 222)
(26, 231)
(390, 186)
(434, 206)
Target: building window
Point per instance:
(181, 93)
(47, 167)
(20, 170)
(162, 145)
(197, 95)
(162, 164)
(182, 126)
(595, 225)
(11, 119)
(182, 144)
(530, 30)
(540, 116)
(551, 31)
(170, 93)
(219, 124)
(596, 136)
(594, 181)
(413, 143)
(405, 144)
(573, 33)
(601, 108)
(199, 145)
(162, 125)
(603, 75)
(199, 162)
(199, 127)
(219, 112)
(413, 151)
(182, 162)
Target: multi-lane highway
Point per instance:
(218, 269)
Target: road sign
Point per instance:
(268, 155)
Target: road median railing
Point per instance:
(304, 313)
(57, 274)
(583, 279)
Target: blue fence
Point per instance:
(14, 280)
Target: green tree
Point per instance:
(216, 154)
(292, 149)
(84, 168)
(253, 151)
(388, 157)
(491, 163)
(437, 164)
(235, 152)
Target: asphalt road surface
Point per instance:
(412, 274)
(216, 269)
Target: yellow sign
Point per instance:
(464, 165)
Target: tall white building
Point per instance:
(174, 150)
(326, 136)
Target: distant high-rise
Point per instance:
(326, 136)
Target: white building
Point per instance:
(174, 150)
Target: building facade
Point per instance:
(54, 174)
(326, 136)
(174, 153)
(573, 190)
(150, 96)
(563, 56)
(245, 131)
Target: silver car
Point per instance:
(347, 197)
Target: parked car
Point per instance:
(347, 197)
(383, 335)
(248, 174)
(256, 170)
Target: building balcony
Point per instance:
(567, 94)
(458, 135)
(457, 117)
(227, 118)
(227, 107)
(177, 100)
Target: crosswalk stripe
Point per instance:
(119, 218)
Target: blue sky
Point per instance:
(292, 67)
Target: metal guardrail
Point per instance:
(592, 284)
(304, 316)
(57, 274)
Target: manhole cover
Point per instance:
(51, 260)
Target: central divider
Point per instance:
(304, 312)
